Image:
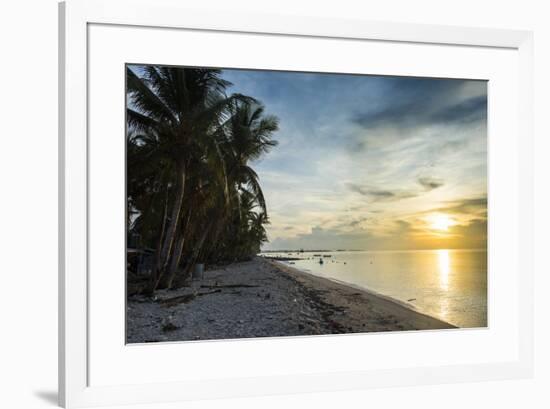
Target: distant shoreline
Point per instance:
(265, 298)
(367, 250)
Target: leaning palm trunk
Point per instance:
(167, 246)
(182, 279)
(213, 248)
(154, 273)
(168, 278)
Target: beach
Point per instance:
(266, 298)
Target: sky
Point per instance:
(372, 162)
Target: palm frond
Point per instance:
(145, 99)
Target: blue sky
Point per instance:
(372, 162)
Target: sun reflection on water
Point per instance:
(444, 263)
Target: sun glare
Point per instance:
(441, 222)
(444, 268)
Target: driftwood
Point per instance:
(230, 286)
(183, 299)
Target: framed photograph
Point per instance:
(261, 204)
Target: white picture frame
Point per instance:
(75, 388)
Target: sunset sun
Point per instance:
(441, 222)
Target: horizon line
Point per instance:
(396, 249)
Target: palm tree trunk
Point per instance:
(213, 245)
(197, 249)
(154, 273)
(169, 276)
(194, 257)
(167, 246)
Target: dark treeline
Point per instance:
(192, 196)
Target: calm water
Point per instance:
(447, 284)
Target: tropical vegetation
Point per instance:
(192, 194)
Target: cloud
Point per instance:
(429, 183)
(320, 238)
(381, 195)
(477, 206)
(418, 102)
(471, 234)
(403, 226)
(475, 232)
(404, 236)
(385, 147)
(357, 222)
(387, 195)
(471, 110)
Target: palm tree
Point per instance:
(189, 147)
(175, 111)
(250, 136)
(245, 136)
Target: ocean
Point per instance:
(447, 284)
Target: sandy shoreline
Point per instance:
(263, 298)
(367, 309)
